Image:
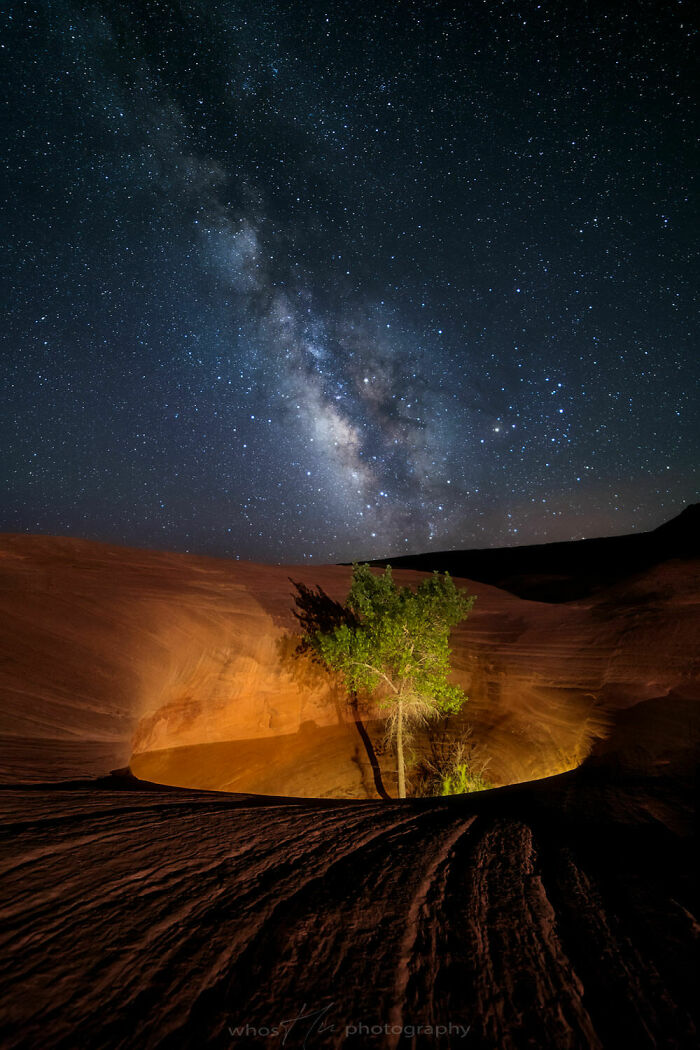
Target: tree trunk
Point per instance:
(399, 753)
(369, 748)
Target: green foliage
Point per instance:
(399, 641)
(463, 779)
(454, 765)
(393, 645)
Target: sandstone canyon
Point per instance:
(193, 839)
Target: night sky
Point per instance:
(294, 281)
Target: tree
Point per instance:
(317, 612)
(393, 645)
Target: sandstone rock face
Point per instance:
(108, 652)
(112, 655)
(556, 914)
(559, 913)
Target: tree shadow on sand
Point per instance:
(317, 611)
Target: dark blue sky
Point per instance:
(335, 281)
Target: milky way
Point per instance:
(332, 281)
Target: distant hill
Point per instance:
(560, 572)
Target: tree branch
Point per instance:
(381, 674)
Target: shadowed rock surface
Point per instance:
(558, 913)
(562, 572)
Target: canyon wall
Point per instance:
(183, 666)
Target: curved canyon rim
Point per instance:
(557, 909)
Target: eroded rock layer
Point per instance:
(552, 915)
(109, 655)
